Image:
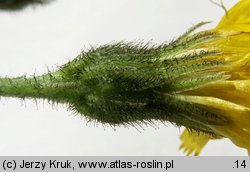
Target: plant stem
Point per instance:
(48, 86)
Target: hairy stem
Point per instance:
(48, 86)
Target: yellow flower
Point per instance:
(200, 81)
(230, 97)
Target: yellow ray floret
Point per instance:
(237, 18)
(231, 97)
(193, 142)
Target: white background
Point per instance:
(32, 39)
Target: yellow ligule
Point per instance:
(237, 18)
(193, 142)
(238, 129)
(231, 97)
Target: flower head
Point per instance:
(200, 81)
